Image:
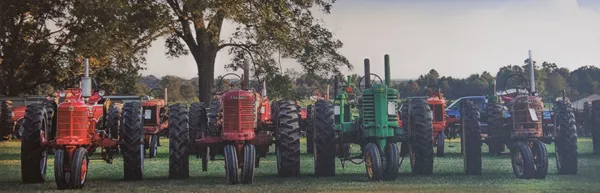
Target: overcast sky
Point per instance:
(457, 38)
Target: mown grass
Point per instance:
(448, 176)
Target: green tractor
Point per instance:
(375, 129)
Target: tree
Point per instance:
(287, 27)
(173, 85)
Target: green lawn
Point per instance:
(448, 176)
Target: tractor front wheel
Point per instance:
(33, 154)
(373, 164)
(540, 159)
(79, 168)
(392, 162)
(441, 137)
(522, 161)
(132, 141)
(231, 164)
(288, 144)
(421, 138)
(59, 170)
(323, 135)
(249, 162)
(153, 148)
(179, 163)
(471, 138)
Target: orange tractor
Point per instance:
(437, 104)
(70, 129)
(240, 128)
(155, 121)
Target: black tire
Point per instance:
(440, 145)
(18, 129)
(522, 161)
(540, 160)
(113, 118)
(373, 162)
(496, 134)
(249, 164)
(6, 121)
(595, 128)
(215, 107)
(421, 137)
(471, 138)
(59, 170)
(392, 162)
(153, 148)
(179, 163)
(324, 153)
(51, 107)
(79, 168)
(198, 124)
(566, 141)
(309, 129)
(404, 151)
(288, 143)
(231, 164)
(33, 154)
(132, 141)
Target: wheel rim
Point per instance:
(84, 168)
(369, 164)
(518, 162)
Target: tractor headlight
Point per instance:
(336, 110)
(391, 108)
(62, 94)
(101, 92)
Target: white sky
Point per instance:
(470, 36)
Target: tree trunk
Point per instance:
(205, 62)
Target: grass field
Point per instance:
(448, 176)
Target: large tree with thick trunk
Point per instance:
(265, 29)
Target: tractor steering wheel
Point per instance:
(372, 80)
(518, 82)
(231, 85)
(153, 93)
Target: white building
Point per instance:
(578, 104)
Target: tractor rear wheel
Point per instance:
(440, 145)
(392, 162)
(231, 164)
(471, 138)
(288, 143)
(522, 161)
(566, 141)
(596, 126)
(373, 162)
(309, 129)
(198, 125)
(59, 170)
(249, 163)
(540, 159)
(79, 168)
(404, 118)
(33, 154)
(6, 121)
(495, 130)
(132, 141)
(179, 163)
(421, 137)
(324, 149)
(112, 121)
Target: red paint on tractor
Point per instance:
(239, 116)
(73, 124)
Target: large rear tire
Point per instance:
(132, 141)
(421, 137)
(566, 141)
(33, 154)
(496, 133)
(198, 126)
(288, 144)
(471, 138)
(324, 153)
(179, 163)
(215, 109)
(596, 126)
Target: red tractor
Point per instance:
(70, 129)
(437, 104)
(307, 119)
(155, 121)
(240, 128)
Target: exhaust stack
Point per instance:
(531, 74)
(367, 76)
(388, 81)
(245, 77)
(86, 81)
